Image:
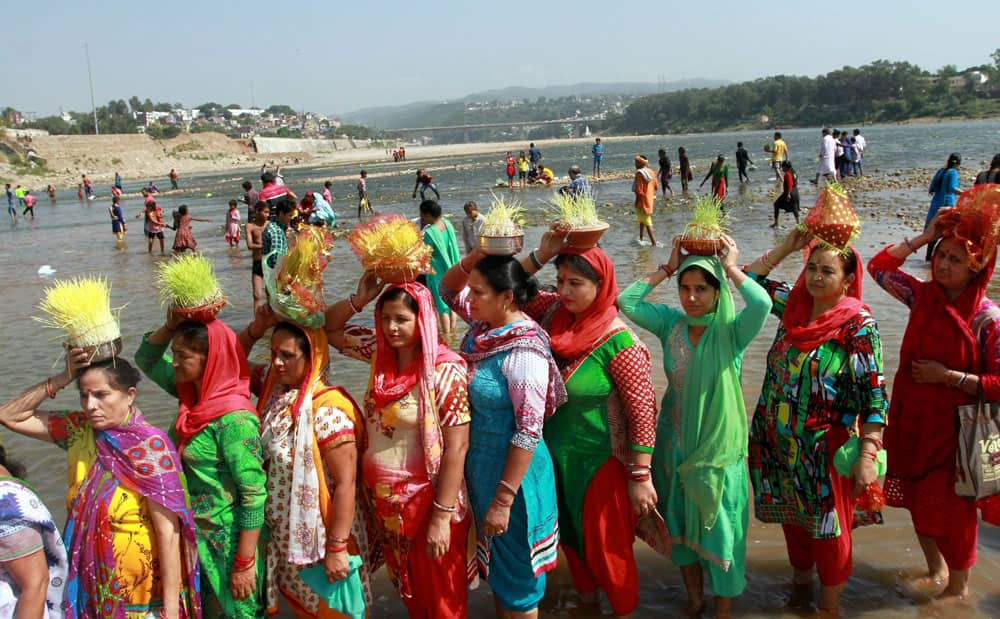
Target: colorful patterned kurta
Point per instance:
(223, 464)
(393, 465)
(332, 427)
(804, 394)
(136, 555)
(611, 411)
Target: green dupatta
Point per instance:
(714, 421)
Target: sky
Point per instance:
(336, 57)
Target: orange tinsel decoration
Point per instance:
(975, 222)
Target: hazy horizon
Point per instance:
(338, 59)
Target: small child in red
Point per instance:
(233, 225)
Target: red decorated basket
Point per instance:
(701, 247)
(586, 237)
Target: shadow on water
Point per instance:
(75, 238)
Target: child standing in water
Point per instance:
(118, 226)
(184, 238)
(233, 225)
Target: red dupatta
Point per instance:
(225, 385)
(571, 336)
(806, 335)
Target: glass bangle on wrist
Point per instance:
(666, 268)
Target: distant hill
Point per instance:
(423, 113)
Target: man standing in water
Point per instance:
(779, 155)
(363, 203)
(742, 160)
(255, 231)
(644, 187)
(173, 178)
(11, 210)
(274, 240)
(534, 156)
(250, 198)
(598, 150)
(827, 159)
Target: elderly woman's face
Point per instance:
(189, 362)
(105, 405)
(951, 267)
(288, 360)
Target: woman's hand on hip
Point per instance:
(438, 534)
(643, 497)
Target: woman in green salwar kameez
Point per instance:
(218, 437)
(440, 235)
(699, 464)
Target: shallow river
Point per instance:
(75, 238)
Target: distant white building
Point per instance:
(240, 112)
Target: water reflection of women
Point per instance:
(417, 418)
(128, 518)
(514, 386)
(823, 383)
(699, 466)
(937, 374)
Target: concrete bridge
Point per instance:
(577, 123)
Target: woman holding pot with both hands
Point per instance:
(602, 438)
(823, 384)
(699, 466)
(417, 417)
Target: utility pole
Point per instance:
(90, 78)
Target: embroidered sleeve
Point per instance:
(865, 361)
(359, 343)
(527, 373)
(885, 270)
(989, 341)
(540, 306)
(631, 369)
(457, 300)
(239, 438)
(65, 426)
(777, 290)
(452, 390)
(333, 427)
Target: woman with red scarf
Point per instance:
(217, 434)
(417, 416)
(939, 373)
(823, 385)
(602, 438)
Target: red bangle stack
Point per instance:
(243, 563)
(639, 472)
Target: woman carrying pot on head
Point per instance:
(311, 434)
(33, 561)
(937, 374)
(699, 466)
(131, 538)
(417, 420)
(514, 386)
(602, 438)
(823, 384)
(218, 437)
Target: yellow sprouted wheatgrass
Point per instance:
(187, 281)
(576, 210)
(504, 218)
(390, 242)
(81, 307)
(708, 220)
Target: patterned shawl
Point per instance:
(140, 458)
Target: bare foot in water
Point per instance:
(928, 586)
(953, 596)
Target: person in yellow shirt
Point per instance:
(779, 154)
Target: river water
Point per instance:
(74, 238)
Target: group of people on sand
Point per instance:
(542, 432)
